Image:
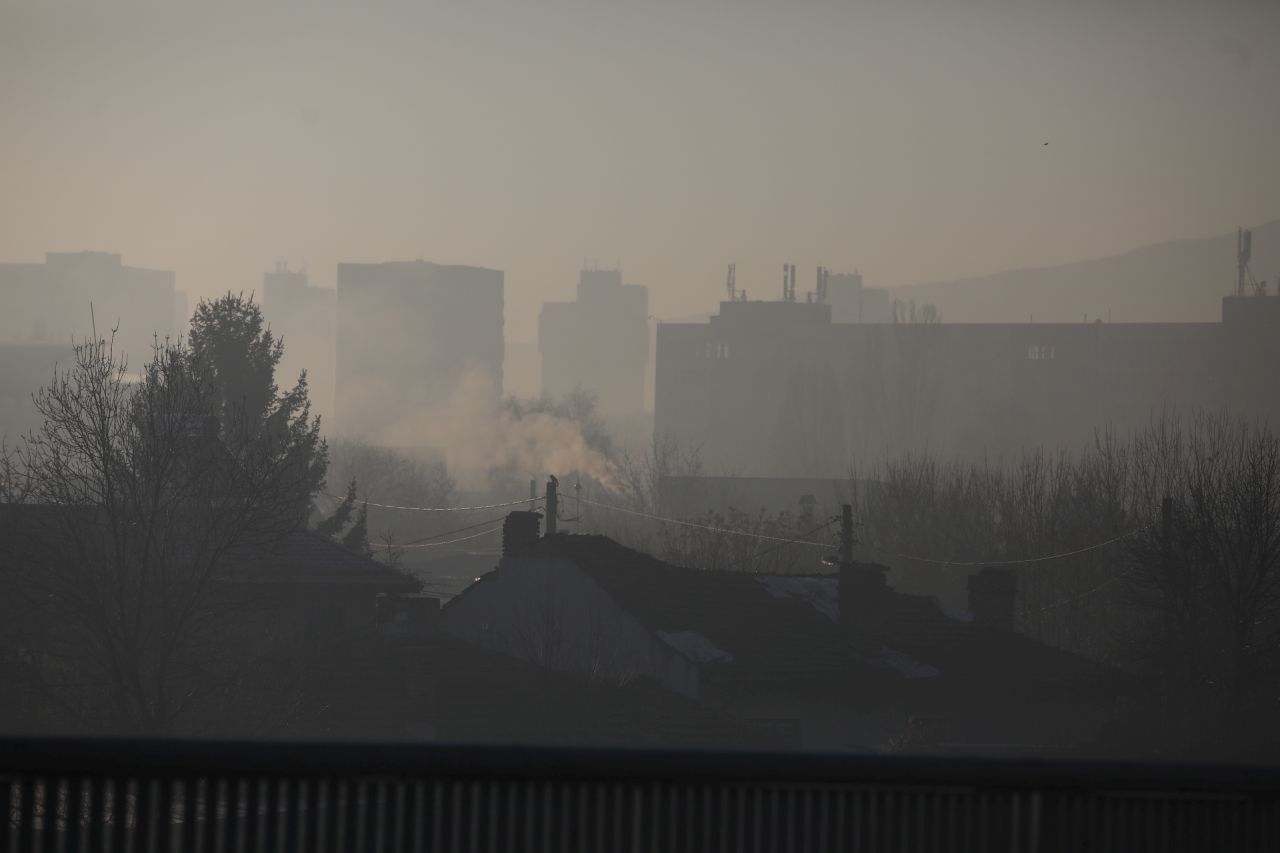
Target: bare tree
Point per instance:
(137, 498)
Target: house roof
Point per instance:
(762, 636)
(789, 627)
(34, 531)
(451, 690)
(304, 557)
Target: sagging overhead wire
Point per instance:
(382, 547)
(1024, 561)
(709, 527)
(523, 502)
(802, 541)
(453, 531)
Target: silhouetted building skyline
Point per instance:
(779, 389)
(302, 315)
(408, 333)
(49, 303)
(598, 343)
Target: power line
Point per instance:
(529, 501)
(728, 530)
(451, 532)
(444, 542)
(779, 546)
(1024, 561)
(1086, 594)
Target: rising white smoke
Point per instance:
(479, 439)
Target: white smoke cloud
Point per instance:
(479, 437)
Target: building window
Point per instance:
(1040, 352)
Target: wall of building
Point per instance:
(775, 389)
(49, 303)
(599, 343)
(303, 317)
(407, 336)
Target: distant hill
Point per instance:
(1182, 280)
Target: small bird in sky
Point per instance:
(1046, 143)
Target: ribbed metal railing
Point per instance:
(206, 797)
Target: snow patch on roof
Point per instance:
(906, 664)
(822, 593)
(695, 647)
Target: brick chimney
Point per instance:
(863, 595)
(991, 596)
(520, 532)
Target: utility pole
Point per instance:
(533, 492)
(846, 535)
(553, 504)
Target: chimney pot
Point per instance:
(992, 593)
(520, 531)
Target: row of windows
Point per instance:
(1035, 352)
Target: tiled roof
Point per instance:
(767, 637)
(789, 627)
(34, 531)
(464, 693)
(303, 557)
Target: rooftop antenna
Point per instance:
(731, 283)
(1244, 251)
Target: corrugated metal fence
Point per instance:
(202, 796)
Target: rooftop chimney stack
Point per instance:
(520, 534)
(861, 593)
(992, 593)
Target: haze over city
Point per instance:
(904, 139)
(634, 426)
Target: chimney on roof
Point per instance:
(991, 596)
(520, 532)
(862, 593)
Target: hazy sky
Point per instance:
(906, 139)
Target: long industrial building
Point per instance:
(780, 389)
(407, 335)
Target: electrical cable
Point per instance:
(434, 544)
(451, 532)
(1027, 560)
(727, 530)
(440, 508)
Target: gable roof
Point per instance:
(763, 637)
(36, 531)
(466, 693)
(784, 628)
(305, 557)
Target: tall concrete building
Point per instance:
(49, 303)
(44, 308)
(599, 343)
(779, 389)
(302, 315)
(408, 334)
